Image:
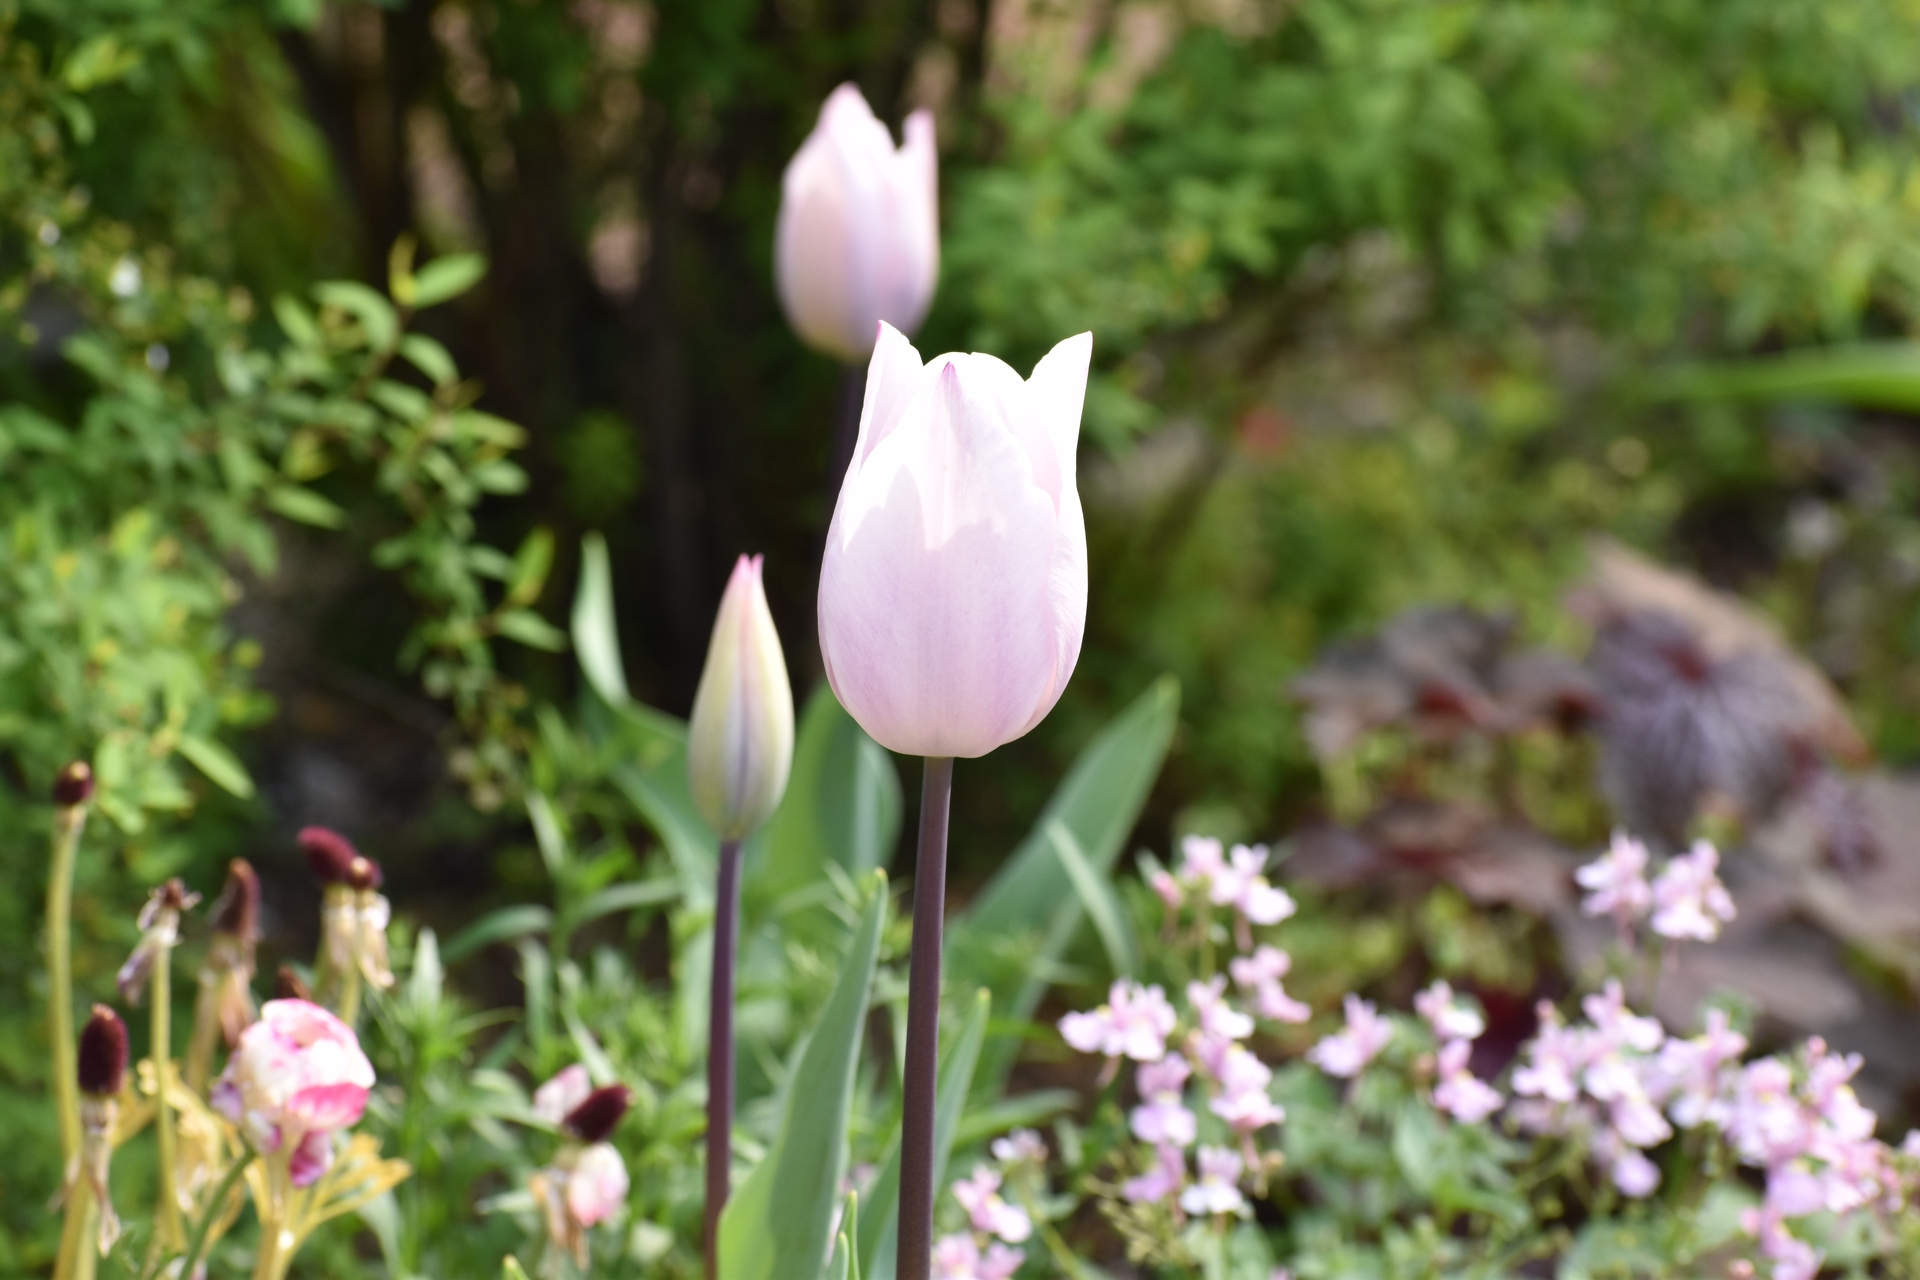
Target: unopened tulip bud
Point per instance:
(858, 239)
(74, 785)
(740, 741)
(595, 1119)
(953, 592)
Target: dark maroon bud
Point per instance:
(329, 853)
(103, 1053)
(599, 1114)
(364, 873)
(237, 913)
(74, 786)
(288, 985)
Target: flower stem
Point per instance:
(915, 1259)
(726, 946)
(206, 1027)
(67, 824)
(78, 1258)
(168, 1225)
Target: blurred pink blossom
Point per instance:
(1243, 1101)
(1167, 1174)
(1450, 1019)
(1135, 1022)
(1022, 1146)
(1163, 1118)
(1460, 1093)
(1217, 1019)
(1261, 973)
(1348, 1051)
(958, 1257)
(556, 1099)
(1217, 1189)
(296, 1076)
(1555, 1059)
(1688, 899)
(979, 1195)
(1616, 882)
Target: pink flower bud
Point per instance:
(740, 739)
(953, 593)
(858, 240)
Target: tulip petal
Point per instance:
(937, 599)
(893, 376)
(1057, 391)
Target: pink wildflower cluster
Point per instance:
(1192, 1062)
(1456, 1091)
(985, 1251)
(1686, 900)
(1348, 1051)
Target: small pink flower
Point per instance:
(1261, 973)
(1022, 1146)
(1163, 1118)
(296, 1076)
(555, 1099)
(1556, 1057)
(1348, 1051)
(1135, 1022)
(1217, 1019)
(1165, 1177)
(979, 1195)
(1460, 1093)
(1217, 1189)
(1616, 882)
(1168, 888)
(1688, 899)
(597, 1184)
(1693, 1074)
(1202, 860)
(1617, 1025)
(958, 1257)
(1244, 1102)
(1634, 1174)
(1449, 1019)
(1239, 884)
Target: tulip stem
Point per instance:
(726, 946)
(915, 1259)
(68, 821)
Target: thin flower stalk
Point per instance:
(921, 1084)
(71, 792)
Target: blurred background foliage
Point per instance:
(1385, 293)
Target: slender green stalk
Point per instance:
(349, 1009)
(726, 946)
(169, 1234)
(67, 824)
(275, 1252)
(206, 1026)
(78, 1258)
(207, 1219)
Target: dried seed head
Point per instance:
(74, 785)
(288, 985)
(237, 913)
(103, 1053)
(329, 853)
(597, 1117)
(364, 873)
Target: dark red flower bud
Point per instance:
(364, 873)
(103, 1053)
(329, 853)
(74, 786)
(599, 1114)
(237, 913)
(288, 985)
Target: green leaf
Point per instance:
(595, 636)
(1102, 904)
(777, 1226)
(305, 506)
(880, 1232)
(1027, 915)
(296, 321)
(530, 629)
(1021, 1111)
(624, 897)
(430, 358)
(219, 764)
(842, 806)
(507, 924)
(101, 60)
(375, 313)
(1867, 375)
(447, 277)
(531, 564)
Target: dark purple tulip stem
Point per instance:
(726, 945)
(923, 1025)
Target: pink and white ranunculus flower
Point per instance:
(858, 238)
(597, 1184)
(953, 591)
(296, 1077)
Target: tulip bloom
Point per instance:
(953, 593)
(297, 1076)
(740, 740)
(858, 239)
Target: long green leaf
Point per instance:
(778, 1225)
(503, 925)
(880, 1229)
(1097, 896)
(1011, 936)
(1868, 375)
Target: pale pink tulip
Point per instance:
(740, 737)
(296, 1076)
(953, 593)
(858, 239)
